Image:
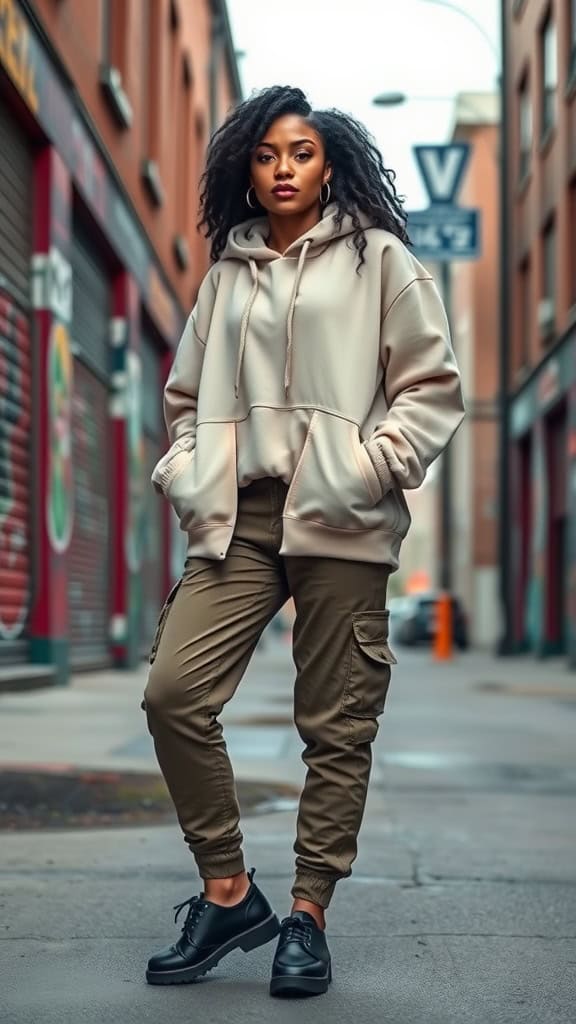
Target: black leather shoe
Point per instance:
(302, 964)
(210, 932)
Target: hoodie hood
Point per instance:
(247, 241)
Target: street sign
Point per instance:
(442, 169)
(445, 233)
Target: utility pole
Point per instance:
(505, 644)
(445, 567)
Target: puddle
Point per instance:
(430, 759)
(550, 692)
(456, 769)
(94, 799)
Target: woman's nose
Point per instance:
(283, 168)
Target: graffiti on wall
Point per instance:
(15, 396)
(59, 501)
(18, 53)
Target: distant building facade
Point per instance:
(475, 329)
(541, 196)
(474, 308)
(105, 112)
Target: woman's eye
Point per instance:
(304, 155)
(264, 158)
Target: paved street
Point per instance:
(462, 903)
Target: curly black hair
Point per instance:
(359, 183)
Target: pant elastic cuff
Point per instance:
(315, 888)
(222, 868)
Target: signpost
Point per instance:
(442, 233)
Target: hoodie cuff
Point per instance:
(178, 456)
(380, 464)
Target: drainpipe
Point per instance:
(505, 526)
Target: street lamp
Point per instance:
(398, 99)
(390, 99)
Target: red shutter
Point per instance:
(16, 500)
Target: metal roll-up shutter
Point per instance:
(154, 446)
(16, 167)
(16, 182)
(89, 558)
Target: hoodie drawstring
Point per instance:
(289, 322)
(244, 325)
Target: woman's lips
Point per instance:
(285, 193)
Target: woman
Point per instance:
(314, 381)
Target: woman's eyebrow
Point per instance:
(297, 142)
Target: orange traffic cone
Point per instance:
(443, 633)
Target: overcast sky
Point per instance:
(343, 53)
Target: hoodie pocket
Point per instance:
(203, 492)
(335, 483)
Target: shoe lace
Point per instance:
(293, 929)
(196, 907)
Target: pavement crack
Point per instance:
(415, 857)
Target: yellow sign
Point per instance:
(15, 52)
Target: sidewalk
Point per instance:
(461, 907)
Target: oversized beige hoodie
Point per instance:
(343, 384)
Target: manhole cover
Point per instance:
(92, 799)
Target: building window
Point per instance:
(114, 41)
(549, 75)
(547, 308)
(183, 180)
(105, 30)
(525, 126)
(155, 101)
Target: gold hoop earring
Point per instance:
(327, 200)
(251, 205)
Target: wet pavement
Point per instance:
(64, 799)
(462, 903)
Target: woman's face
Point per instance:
(288, 167)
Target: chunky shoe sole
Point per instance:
(293, 985)
(254, 937)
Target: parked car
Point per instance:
(413, 620)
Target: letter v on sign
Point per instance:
(442, 168)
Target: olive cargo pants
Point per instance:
(207, 632)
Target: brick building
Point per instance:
(541, 84)
(105, 111)
(475, 317)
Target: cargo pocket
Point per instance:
(368, 676)
(162, 621)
